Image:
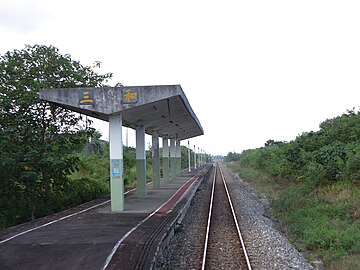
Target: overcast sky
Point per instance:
(251, 70)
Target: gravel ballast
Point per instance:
(267, 247)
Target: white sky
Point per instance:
(252, 70)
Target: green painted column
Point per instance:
(198, 155)
(178, 158)
(166, 169)
(194, 157)
(155, 159)
(172, 159)
(189, 156)
(140, 162)
(116, 163)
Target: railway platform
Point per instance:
(93, 237)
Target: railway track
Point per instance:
(224, 246)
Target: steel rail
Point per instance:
(236, 223)
(234, 217)
(208, 222)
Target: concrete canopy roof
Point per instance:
(161, 108)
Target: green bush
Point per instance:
(313, 182)
(322, 225)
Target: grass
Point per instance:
(92, 166)
(261, 182)
(97, 169)
(324, 220)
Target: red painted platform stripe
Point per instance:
(175, 198)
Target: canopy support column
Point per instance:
(166, 171)
(194, 157)
(173, 159)
(155, 160)
(178, 158)
(189, 156)
(116, 163)
(141, 162)
(198, 156)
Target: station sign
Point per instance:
(129, 95)
(86, 97)
(117, 168)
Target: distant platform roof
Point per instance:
(161, 108)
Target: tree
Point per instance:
(232, 156)
(272, 142)
(37, 139)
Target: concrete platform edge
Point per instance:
(170, 231)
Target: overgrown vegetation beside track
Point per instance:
(314, 185)
(38, 140)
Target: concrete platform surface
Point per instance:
(87, 239)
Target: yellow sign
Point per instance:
(86, 97)
(130, 96)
